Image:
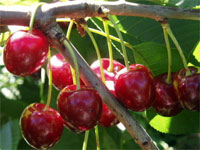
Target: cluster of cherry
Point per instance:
(81, 110)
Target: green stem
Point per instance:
(2, 38)
(122, 41)
(68, 36)
(97, 51)
(50, 82)
(69, 30)
(85, 140)
(97, 137)
(111, 37)
(33, 16)
(42, 85)
(69, 47)
(168, 80)
(170, 33)
(110, 68)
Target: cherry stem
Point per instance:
(121, 41)
(85, 140)
(111, 37)
(168, 80)
(50, 82)
(42, 85)
(68, 36)
(97, 137)
(170, 33)
(97, 51)
(33, 16)
(69, 47)
(110, 67)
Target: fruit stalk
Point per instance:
(50, 82)
(68, 46)
(122, 41)
(97, 51)
(97, 137)
(68, 36)
(105, 23)
(33, 16)
(170, 33)
(85, 140)
(168, 80)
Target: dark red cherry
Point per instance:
(61, 72)
(134, 88)
(166, 102)
(25, 52)
(41, 128)
(188, 88)
(110, 76)
(81, 109)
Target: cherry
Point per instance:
(134, 88)
(41, 128)
(108, 119)
(188, 88)
(81, 109)
(25, 52)
(110, 76)
(61, 72)
(166, 102)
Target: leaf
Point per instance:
(154, 56)
(183, 123)
(11, 108)
(10, 135)
(183, 3)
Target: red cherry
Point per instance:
(134, 88)
(61, 72)
(110, 76)
(166, 102)
(41, 128)
(25, 52)
(80, 109)
(188, 89)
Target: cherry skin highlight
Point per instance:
(166, 102)
(25, 52)
(110, 76)
(81, 109)
(41, 128)
(188, 89)
(134, 88)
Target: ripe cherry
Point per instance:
(188, 88)
(134, 88)
(41, 128)
(166, 102)
(61, 72)
(110, 76)
(81, 109)
(25, 52)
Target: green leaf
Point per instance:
(183, 123)
(183, 3)
(154, 56)
(10, 135)
(11, 108)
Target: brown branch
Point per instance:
(76, 9)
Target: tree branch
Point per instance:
(79, 9)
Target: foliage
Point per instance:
(146, 37)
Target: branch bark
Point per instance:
(81, 9)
